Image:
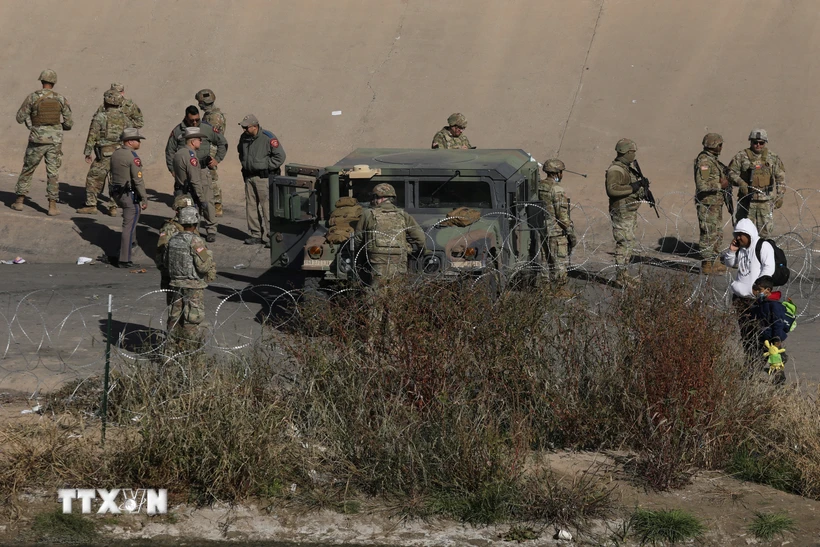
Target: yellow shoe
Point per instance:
(88, 210)
(218, 209)
(52, 208)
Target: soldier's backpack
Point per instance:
(781, 268)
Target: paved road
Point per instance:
(53, 317)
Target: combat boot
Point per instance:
(218, 209)
(18, 203)
(52, 208)
(112, 211)
(88, 210)
(710, 267)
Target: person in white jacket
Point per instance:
(741, 255)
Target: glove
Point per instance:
(572, 240)
(778, 203)
(743, 190)
(724, 183)
(773, 353)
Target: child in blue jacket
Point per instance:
(770, 315)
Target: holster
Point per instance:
(98, 154)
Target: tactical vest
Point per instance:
(388, 233)
(46, 110)
(761, 171)
(115, 122)
(180, 261)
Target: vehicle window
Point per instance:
(455, 193)
(362, 191)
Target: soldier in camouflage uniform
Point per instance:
(452, 135)
(103, 139)
(128, 107)
(560, 236)
(625, 193)
(166, 232)
(42, 112)
(213, 116)
(387, 234)
(710, 183)
(764, 176)
(190, 267)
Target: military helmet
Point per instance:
(205, 96)
(183, 201)
(48, 76)
(189, 216)
(112, 97)
(384, 190)
(118, 87)
(759, 135)
(712, 140)
(457, 119)
(554, 165)
(625, 145)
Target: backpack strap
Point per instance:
(759, 246)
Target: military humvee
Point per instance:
(500, 185)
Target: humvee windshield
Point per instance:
(363, 192)
(455, 193)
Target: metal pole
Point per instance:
(574, 173)
(107, 368)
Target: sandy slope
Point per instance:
(661, 72)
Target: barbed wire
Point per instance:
(41, 349)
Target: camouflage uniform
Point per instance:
(131, 111)
(190, 267)
(765, 179)
(104, 136)
(559, 230)
(386, 232)
(709, 204)
(445, 139)
(624, 200)
(166, 232)
(45, 138)
(213, 116)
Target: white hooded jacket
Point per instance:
(748, 267)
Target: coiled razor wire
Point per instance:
(47, 351)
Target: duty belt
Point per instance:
(262, 174)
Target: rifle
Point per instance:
(727, 192)
(645, 185)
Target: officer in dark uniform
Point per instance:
(191, 178)
(128, 190)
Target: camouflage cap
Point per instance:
(384, 190)
(183, 201)
(625, 145)
(48, 76)
(189, 216)
(554, 165)
(118, 87)
(112, 97)
(712, 140)
(457, 119)
(759, 135)
(131, 134)
(205, 96)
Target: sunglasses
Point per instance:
(759, 143)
